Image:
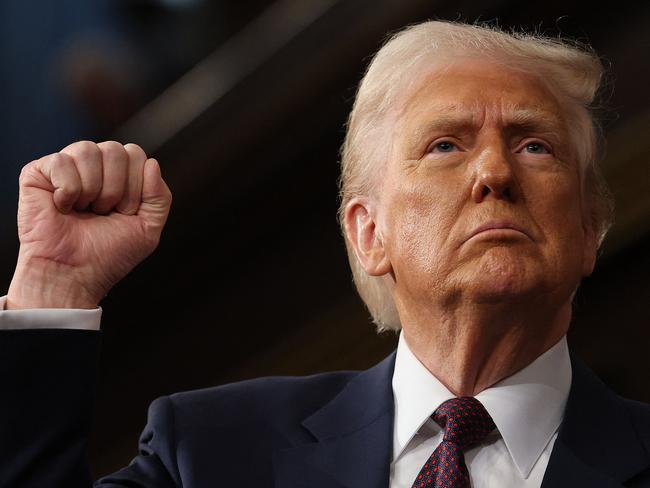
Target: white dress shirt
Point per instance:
(527, 409)
(49, 318)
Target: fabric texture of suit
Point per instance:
(329, 430)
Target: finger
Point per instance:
(61, 173)
(115, 162)
(88, 159)
(130, 202)
(156, 198)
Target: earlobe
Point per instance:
(365, 238)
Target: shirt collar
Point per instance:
(527, 407)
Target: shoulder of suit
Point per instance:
(265, 399)
(275, 386)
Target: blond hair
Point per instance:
(571, 71)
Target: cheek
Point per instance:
(558, 212)
(419, 219)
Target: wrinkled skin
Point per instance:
(479, 225)
(86, 217)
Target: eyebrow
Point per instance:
(447, 121)
(534, 120)
(454, 117)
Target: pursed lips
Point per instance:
(498, 225)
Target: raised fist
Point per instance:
(86, 216)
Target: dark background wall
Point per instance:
(244, 105)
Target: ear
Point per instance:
(590, 245)
(365, 238)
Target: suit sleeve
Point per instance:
(155, 465)
(47, 378)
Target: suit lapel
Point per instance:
(354, 437)
(597, 445)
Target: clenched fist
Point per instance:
(86, 216)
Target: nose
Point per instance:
(494, 177)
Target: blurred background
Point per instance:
(243, 103)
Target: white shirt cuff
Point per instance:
(49, 318)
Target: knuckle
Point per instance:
(69, 191)
(57, 163)
(57, 160)
(135, 151)
(84, 150)
(26, 171)
(25, 178)
(112, 148)
(110, 143)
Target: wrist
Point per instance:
(44, 284)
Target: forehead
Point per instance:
(474, 91)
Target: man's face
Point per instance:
(481, 195)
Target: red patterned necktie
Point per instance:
(466, 423)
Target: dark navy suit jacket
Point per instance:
(332, 430)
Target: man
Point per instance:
(471, 207)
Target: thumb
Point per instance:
(51, 178)
(156, 197)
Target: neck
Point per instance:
(475, 346)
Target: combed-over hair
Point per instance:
(572, 72)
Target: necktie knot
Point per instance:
(465, 420)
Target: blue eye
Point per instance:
(536, 148)
(444, 147)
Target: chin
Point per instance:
(501, 275)
(498, 292)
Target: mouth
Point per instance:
(499, 230)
